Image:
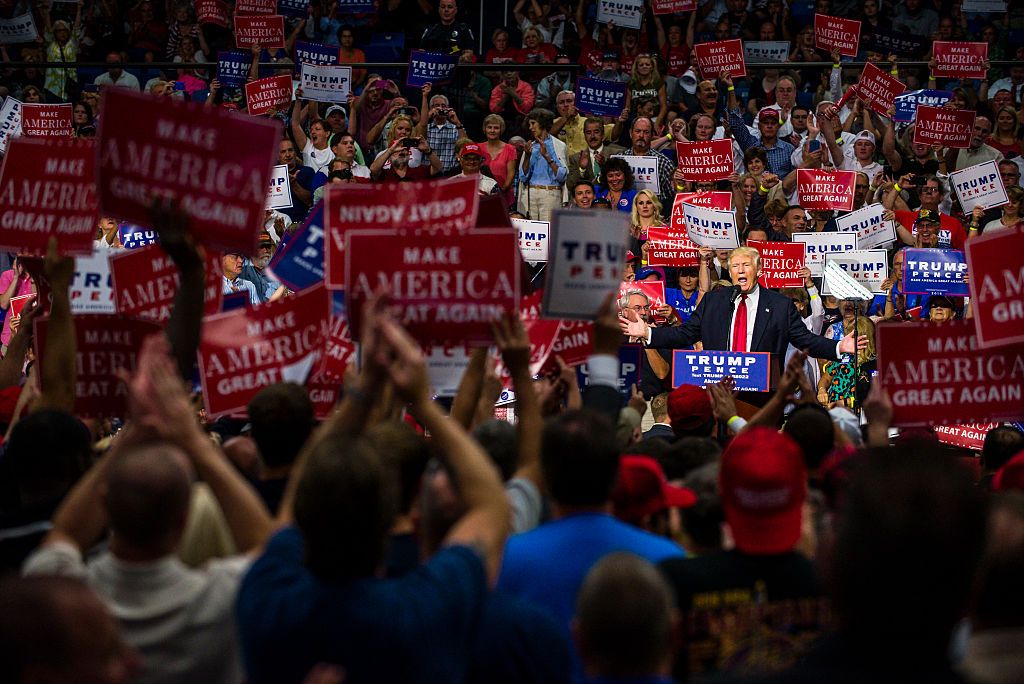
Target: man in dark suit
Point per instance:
(588, 163)
(746, 318)
(661, 429)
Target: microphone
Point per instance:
(735, 296)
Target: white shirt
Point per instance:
(125, 80)
(751, 305)
(318, 160)
(484, 184)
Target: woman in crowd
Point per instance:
(646, 213)
(1004, 135)
(617, 184)
(499, 156)
(1011, 217)
(402, 128)
(349, 54)
(838, 384)
(316, 149)
(62, 46)
(82, 121)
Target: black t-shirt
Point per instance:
(746, 614)
(448, 39)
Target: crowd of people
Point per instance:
(407, 538)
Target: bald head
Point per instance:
(147, 498)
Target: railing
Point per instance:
(466, 67)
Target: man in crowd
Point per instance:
(449, 36)
(586, 164)
(470, 159)
(300, 178)
(640, 134)
(115, 75)
(254, 270)
(443, 129)
(232, 264)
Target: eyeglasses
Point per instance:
(640, 307)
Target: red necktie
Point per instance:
(739, 326)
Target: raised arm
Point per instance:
(514, 344)
(297, 132)
(58, 363)
(468, 392)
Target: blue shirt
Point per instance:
(547, 565)
(240, 285)
(265, 287)
(539, 171)
(625, 199)
(778, 156)
(684, 306)
(418, 628)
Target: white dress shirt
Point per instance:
(751, 305)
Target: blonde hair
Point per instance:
(394, 126)
(533, 31)
(634, 77)
(494, 118)
(746, 252)
(634, 217)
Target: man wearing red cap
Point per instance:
(755, 605)
(470, 158)
(742, 318)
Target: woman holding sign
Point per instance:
(316, 147)
(838, 382)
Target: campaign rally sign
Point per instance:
(339, 347)
(598, 97)
(622, 13)
(441, 290)
(264, 30)
(20, 29)
(574, 344)
(956, 59)
(645, 171)
(542, 333)
(245, 350)
(10, 122)
(533, 239)
(316, 54)
(293, 8)
(146, 282)
(705, 161)
(765, 50)
(654, 290)
(821, 244)
(48, 189)
(934, 271)
(720, 57)
(300, 262)
(967, 436)
(273, 92)
(780, 263)
(879, 89)
(673, 6)
(711, 227)
(446, 364)
(447, 206)
(217, 164)
(324, 393)
(135, 237)
(233, 68)
(898, 43)
(946, 127)
(430, 67)
(750, 370)
(588, 253)
(823, 189)
(869, 267)
(939, 374)
(836, 33)
(997, 286)
(630, 365)
(356, 6)
(103, 344)
(256, 6)
(713, 199)
(47, 120)
(92, 290)
(280, 194)
(868, 224)
(671, 246)
(18, 303)
(979, 186)
(326, 83)
(212, 12)
(907, 103)
(984, 6)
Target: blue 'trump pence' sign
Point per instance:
(300, 263)
(750, 370)
(233, 68)
(599, 97)
(935, 271)
(429, 67)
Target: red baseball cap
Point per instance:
(641, 489)
(769, 113)
(763, 483)
(1010, 476)
(471, 148)
(689, 407)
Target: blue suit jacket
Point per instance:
(776, 325)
